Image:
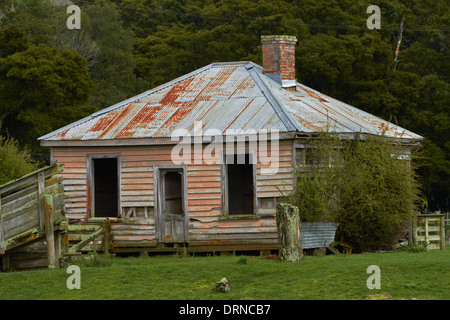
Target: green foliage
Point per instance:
(13, 39)
(51, 76)
(359, 183)
(113, 64)
(378, 194)
(413, 248)
(41, 88)
(14, 162)
(95, 260)
(242, 260)
(316, 189)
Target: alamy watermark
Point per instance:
(215, 147)
(373, 281)
(73, 281)
(374, 21)
(74, 21)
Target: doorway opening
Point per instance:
(172, 214)
(106, 188)
(173, 197)
(240, 187)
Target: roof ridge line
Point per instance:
(273, 100)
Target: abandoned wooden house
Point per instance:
(146, 165)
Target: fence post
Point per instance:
(442, 231)
(41, 200)
(288, 224)
(414, 231)
(106, 233)
(5, 259)
(1, 227)
(49, 231)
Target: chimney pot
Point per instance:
(279, 59)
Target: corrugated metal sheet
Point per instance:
(317, 235)
(224, 96)
(316, 112)
(221, 97)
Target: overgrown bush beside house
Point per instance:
(368, 185)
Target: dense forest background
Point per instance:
(51, 76)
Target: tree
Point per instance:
(113, 70)
(42, 88)
(203, 32)
(102, 40)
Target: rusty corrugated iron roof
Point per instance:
(224, 96)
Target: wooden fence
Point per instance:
(32, 210)
(87, 237)
(429, 230)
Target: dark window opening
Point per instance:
(240, 185)
(106, 187)
(173, 199)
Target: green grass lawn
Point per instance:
(403, 276)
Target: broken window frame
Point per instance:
(301, 162)
(403, 154)
(225, 196)
(91, 184)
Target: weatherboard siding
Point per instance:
(206, 223)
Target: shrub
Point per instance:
(315, 192)
(413, 248)
(14, 162)
(363, 184)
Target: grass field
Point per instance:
(404, 275)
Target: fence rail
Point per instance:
(429, 230)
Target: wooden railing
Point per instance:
(32, 209)
(90, 237)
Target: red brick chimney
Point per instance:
(279, 59)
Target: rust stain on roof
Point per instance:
(173, 121)
(215, 88)
(308, 124)
(174, 92)
(113, 123)
(143, 120)
(312, 94)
